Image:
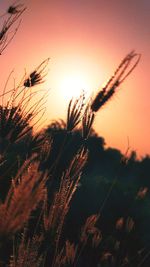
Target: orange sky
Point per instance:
(89, 38)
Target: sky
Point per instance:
(86, 40)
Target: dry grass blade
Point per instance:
(6, 36)
(26, 254)
(87, 230)
(74, 113)
(13, 124)
(66, 255)
(87, 121)
(119, 76)
(26, 192)
(77, 164)
(55, 216)
(17, 114)
(68, 185)
(34, 78)
(89, 227)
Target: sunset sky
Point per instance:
(86, 40)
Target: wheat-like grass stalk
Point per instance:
(5, 35)
(26, 192)
(121, 73)
(36, 76)
(27, 81)
(67, 255)
(74, 113)
(87, 230)
(88, 227)
(26, 253)
(87, 121)
(54, 218)
(68, 185)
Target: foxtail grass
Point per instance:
(26, 251)
(87, 121)
(55, 216)
(74, 113)
(122, 72)
(10, 25)
(26, 192)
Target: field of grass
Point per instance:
(65, 199)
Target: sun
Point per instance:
(73, 85)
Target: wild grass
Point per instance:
(32, 220)
(26, 192)
(11, 25)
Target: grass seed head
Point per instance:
(15, 9)
(121, 73)
(74, 114)
(87, 122)
(36, 76)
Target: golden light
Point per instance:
(72, 85)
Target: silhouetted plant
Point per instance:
(65, 177)
(14, 13)
(121, 73)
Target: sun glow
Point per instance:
(72, 85)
